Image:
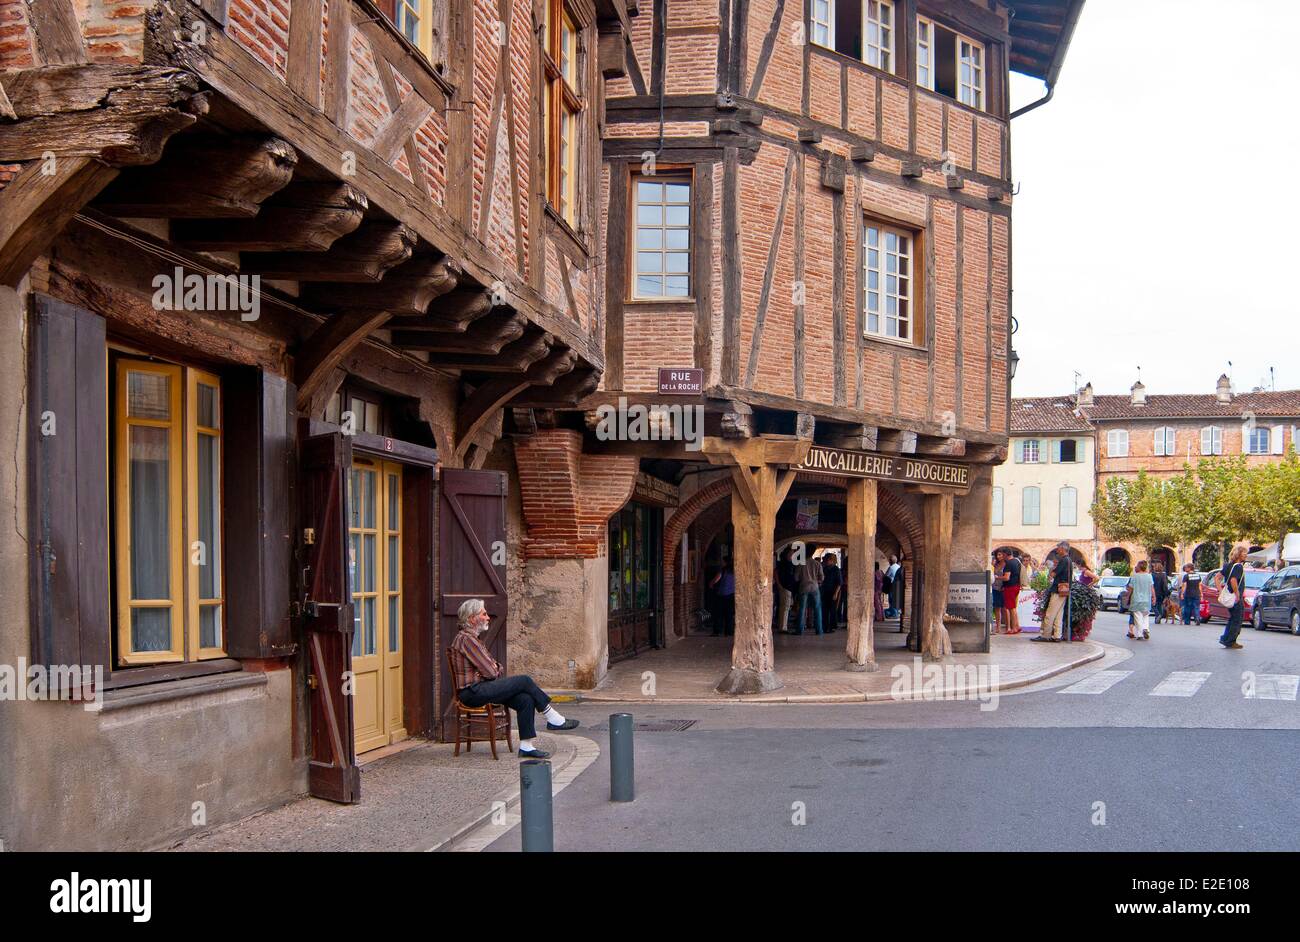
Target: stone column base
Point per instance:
(854, 667)
(743, 680)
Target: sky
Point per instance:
(1155, 224)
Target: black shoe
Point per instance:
(534, 754)
(567, 724)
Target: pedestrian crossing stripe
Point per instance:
(1099, 682)
(1274, 687)
(1187, 683)
(1181, 684)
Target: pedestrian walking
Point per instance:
(999, 609)
(1012, 577)
(1160, 580)
(724, 585)
(1189, 594)
(832, 589)
(1234, 582)
(1058, 594)
(878, 594)
(1141, 599)
(786, 586)
(810, 577)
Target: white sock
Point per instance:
(527, 745)
(553, 716)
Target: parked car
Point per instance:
(1278, 602)
(1213, 585)
(1113, 590)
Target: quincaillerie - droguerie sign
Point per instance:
(902, 468)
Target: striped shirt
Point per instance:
(470, 660)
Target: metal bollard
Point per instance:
(536, 826)
(622, 785)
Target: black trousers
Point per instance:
(518, 692)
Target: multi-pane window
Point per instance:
(1069, 509)
(1117, 443)
(1065, 451)
(663, 237)
(1166, 442)
(970, 73)
(822, 16)
(1259, 441)
(418, 21)
(354, 413)
(887, 282)
(879, 46)
(1029, 451)
(167, 513)
(563, 106)
(1030, 506)
(997, 510)
(1211, 440)
(924, 53)
(949, 63)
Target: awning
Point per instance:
(1290, 551)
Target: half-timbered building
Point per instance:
(322, 316)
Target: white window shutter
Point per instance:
(1245, 437)
(1275, 439)
(1207, 441)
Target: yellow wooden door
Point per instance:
(375, 573)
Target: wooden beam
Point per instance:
(303, 68)
(565, 392)
(460, 308)
(860, 510)
(483, 403)
(856, 438)
(948, 447)
(899, 441)
(122, 115)
(327, 346)
(488, 334)
(936, 512)
(364, 255)
(204, 177)
(406, 290)
(35, 207)
(515, 357)
(306, 216)
(58, 33)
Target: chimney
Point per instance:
(1223, 391)
(1085, 395)
(1139, 394)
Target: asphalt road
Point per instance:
(1184, 746)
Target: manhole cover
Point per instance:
(656, 726)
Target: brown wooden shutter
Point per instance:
(68, 486)
(472, 519)
(259, 507)
(327, 616)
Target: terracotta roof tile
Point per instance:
(1280, 404)
(1047, 414)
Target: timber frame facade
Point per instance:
(311, 309)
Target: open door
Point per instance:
(471, 537)
(327, 617)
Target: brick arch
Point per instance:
(891, 511)
(686, 514)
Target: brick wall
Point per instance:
(568, 497)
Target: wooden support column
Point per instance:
(936, 511)
(861, 526)
(762, 472)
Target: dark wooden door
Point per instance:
(471, 563)
(327, 617)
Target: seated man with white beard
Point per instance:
(478, 681)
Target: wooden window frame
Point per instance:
(563, 165)
(931, 46)
(182, 512)
(1268, 441)
(891, 51)
(917, 327)
(431, 17)
(828, 25)
(670, 174)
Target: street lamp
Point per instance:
(1012, 363)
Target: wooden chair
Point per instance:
(494, 716)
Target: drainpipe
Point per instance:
(1054, 72)
(1051, 90)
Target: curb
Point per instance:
(460, 838)
(1096, 653)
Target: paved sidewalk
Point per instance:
(812, 669)
(417, 799)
